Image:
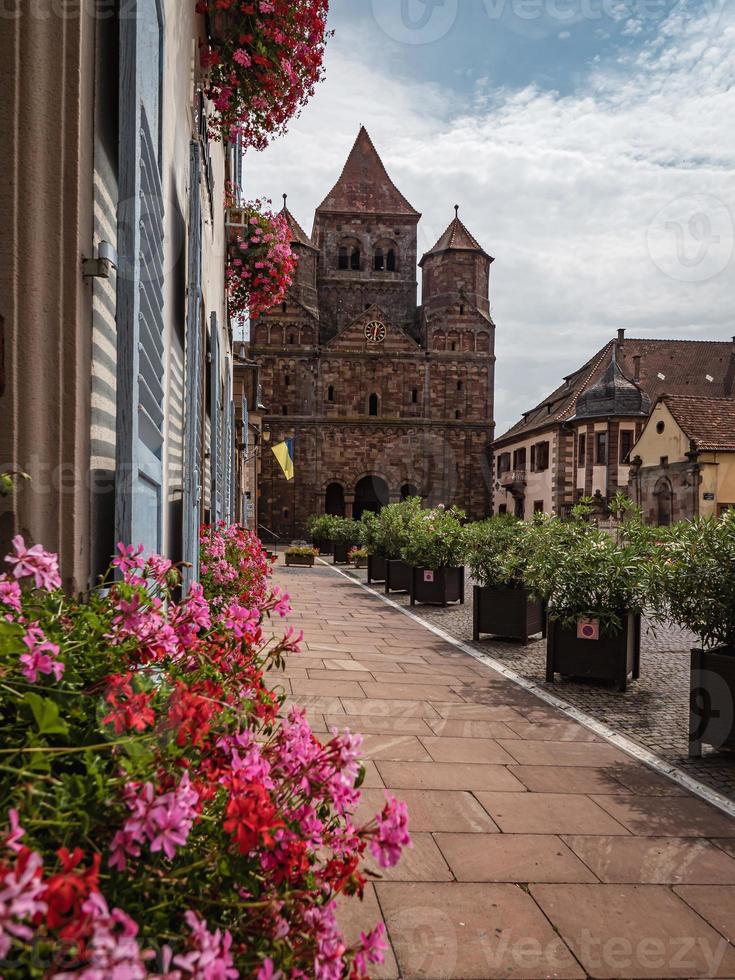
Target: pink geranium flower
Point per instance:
(36, 562)
(41, 655)
(392, 834)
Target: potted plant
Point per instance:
(692, 581)
(394, 522)
(594, 588)
(262, 63)
(345, 534)
(435, 550)
(298, 554)
(497, 554)
(371, 540)
(319, 529)
(358, 557)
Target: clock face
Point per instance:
(375, 332)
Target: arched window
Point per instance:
(284, 410)
(390, 262)
(284, 307)
(343, 261)
(459, 385)
(334, 500)
(379, 260)
(355, 258)
(458, 414)
(414, 396)
(373, 404)
(291, 339)
(409, 490)
(330, 393)
(287, 380)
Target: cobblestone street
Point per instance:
(654, 711)
(540, 850)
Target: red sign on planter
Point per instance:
(588, 629)
(428, 575)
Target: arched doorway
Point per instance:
(665, 502)
(409, 490)
(371, 493)
(334, 500)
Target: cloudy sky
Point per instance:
(590, 144)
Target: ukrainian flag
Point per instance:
(284, 454)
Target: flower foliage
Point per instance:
(263, 62)
(163, 815)
(498, 551)
(260, 263)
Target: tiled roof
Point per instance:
(298, 235)
(456, 237)
(364, 184)
(659, 367)
(709, 422)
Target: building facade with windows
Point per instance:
(683, 465)
(115, 347)
(382, 398)
(578, 441)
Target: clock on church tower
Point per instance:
(375, 332)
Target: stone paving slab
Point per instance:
(539, 849)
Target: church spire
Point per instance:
(364, 185)
(456, 238)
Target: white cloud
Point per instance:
(561, 189)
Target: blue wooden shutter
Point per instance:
(193, 372)
(229, 410)
(215, 411)
(140, 325)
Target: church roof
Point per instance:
(364, 184)
(612, 394)
(456, 238)
(708, 422)
(703, 368)
(298, 235)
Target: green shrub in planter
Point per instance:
(498, 551)
(436, 550)
(391, 536)
(692, 581)
(595, 590)
(345, 534)
(319, 528)
(358, 557)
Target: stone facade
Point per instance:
(382, 397)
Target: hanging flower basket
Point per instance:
(260, 263)
(263, 61)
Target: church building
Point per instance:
(383, 398)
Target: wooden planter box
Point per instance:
(609, 658)
(306, 561)
(437, 586)
(324, 547)
(340, 553)
(711, 699)
(376, 565)
(397, 575)
(507, 613)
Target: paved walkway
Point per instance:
(654, 711)
(539, 850)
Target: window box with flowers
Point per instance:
(436, 551)
(262, 61)
(260, 262)
(301, 555)
(497, 554)
(594, 587)
(692, 581)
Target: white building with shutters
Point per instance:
(115, 347)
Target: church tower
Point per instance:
(365, 231)
(456, 271)
(303, 288)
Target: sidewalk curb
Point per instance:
(621, 742)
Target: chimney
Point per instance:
(621, 334)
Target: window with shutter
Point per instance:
(139, 312)
(215, 413)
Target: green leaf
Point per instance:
(46, 713)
